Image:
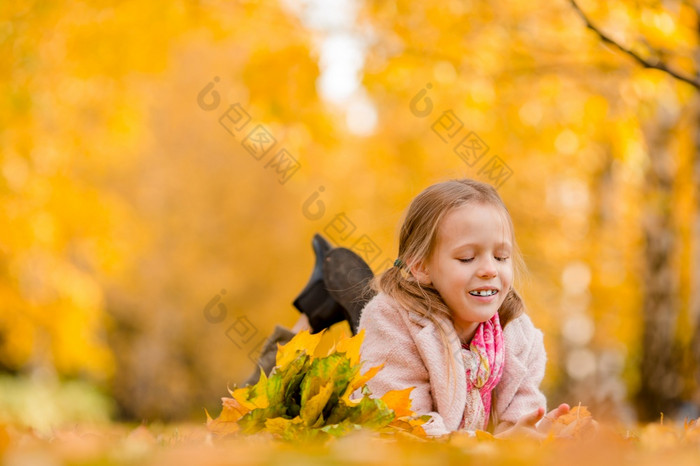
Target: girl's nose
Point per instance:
(488, 268)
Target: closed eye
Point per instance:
(502, 259)
(466, 260)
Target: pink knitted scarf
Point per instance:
(483, 359)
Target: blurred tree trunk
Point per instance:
(663, 358)
(695, 258)
(661, 381)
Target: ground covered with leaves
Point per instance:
(194, 444)
(315, 408)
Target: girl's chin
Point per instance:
(474, 319)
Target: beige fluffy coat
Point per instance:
(413, 356)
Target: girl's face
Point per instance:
(471, 265)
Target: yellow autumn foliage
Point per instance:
(135, 187)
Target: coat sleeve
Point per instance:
(518, 392)
(388, 341)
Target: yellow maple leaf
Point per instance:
(302, 341)
(253, 397)
(482, 435)
(330, 338)
(351, 347)
(281, 426)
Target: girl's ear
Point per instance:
(421, 272)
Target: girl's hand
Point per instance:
(546, 423)
(524, 427)
(530, 425)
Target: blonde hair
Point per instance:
(417, 242)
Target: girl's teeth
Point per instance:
(483, 292)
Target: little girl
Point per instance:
(448, 322)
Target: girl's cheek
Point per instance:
(508, 272)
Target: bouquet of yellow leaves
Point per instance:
(309, 395)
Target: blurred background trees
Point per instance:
(163, 167)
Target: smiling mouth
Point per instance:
(483, 292)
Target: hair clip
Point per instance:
(398, 263)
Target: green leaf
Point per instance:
(254, 421)
(334, 369)
(311, 409)
(284, 381)
(339, 412)
(288, 429)
(368, 412)
(341, 428)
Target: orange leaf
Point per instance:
(575, 423)
(399, 401)
(227, 422)
(576, 414)
(358, 382)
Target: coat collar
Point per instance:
(448, 380)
